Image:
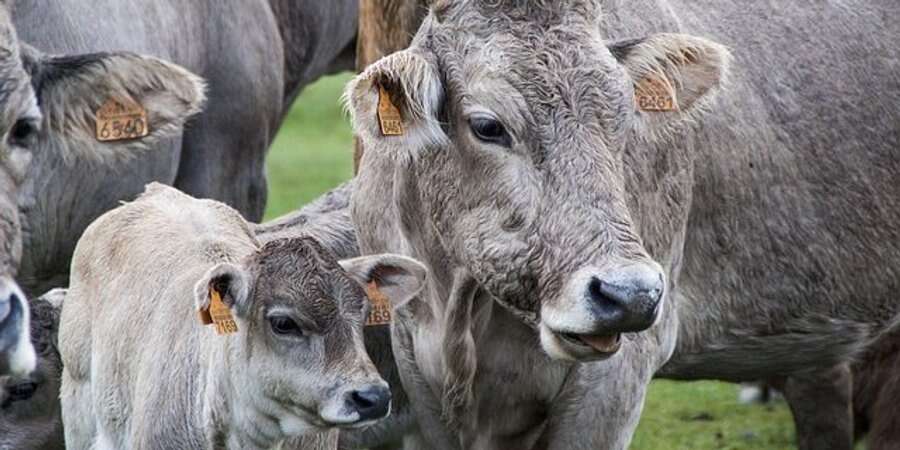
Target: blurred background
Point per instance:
(314, 153)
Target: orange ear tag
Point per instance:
(653, 95)
(388, 114)
(381, 306)
(218, 314)
(121, 119)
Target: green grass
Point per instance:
(313, 153)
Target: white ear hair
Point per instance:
(233, 284)
(398, 277)
(414, 85)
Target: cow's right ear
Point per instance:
(396, 102)
(232, 283)
(71, 90)
(400, 278)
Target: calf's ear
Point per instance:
(395, 103)
(398, 277)
(231, 282)
(675, 76)
(72, 89)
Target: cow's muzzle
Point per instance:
(17, 355)
(597, 306)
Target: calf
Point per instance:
(140, 370)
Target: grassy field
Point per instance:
(313, 153)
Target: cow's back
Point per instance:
(130, 319)
(792, 253)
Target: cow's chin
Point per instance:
(581, 348)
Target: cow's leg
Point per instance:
(884, 431)
(821, 403)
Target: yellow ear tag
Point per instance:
(381, 306)
(388, 114)
(218, 314)
(120, 119)
(653, 95)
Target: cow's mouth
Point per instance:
(604, 344)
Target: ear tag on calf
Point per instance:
(381, 306)
(388, 114)
(121, 119)
(218, 314)
(653, 95)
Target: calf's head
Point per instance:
(48, 109)
(515, 120)
(300, 314)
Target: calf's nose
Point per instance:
(371, 402)
(627, 298)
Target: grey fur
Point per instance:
(180, 385)
(773, 218)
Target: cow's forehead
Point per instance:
(566, 75)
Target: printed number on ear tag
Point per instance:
(653, 95)
(381, 306)
(120, 119)
(218, 314)
(388, 114)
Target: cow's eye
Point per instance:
(284, 325)
(24, 132)
(490, 130)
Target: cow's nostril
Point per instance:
(603, 294)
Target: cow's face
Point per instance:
(516, 116)
(30, 417)
(48, 111)
(300, 317)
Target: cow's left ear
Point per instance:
(71, 91)
(398, 277)
(674, 75)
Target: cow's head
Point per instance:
(515, 119)
(300, 314)
(50, 103)
(30, 416)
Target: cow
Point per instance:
(587, 225)
(141, 370)
(30, 402)
(72, 46)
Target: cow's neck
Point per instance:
(230, 408)
(317, 37)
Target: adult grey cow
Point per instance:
(549, 203)
(256, 56)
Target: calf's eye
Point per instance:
(23, 133)
(490, 130)
(284, 325)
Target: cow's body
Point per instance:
(774, 220)
(253, 72)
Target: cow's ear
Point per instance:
(396, 102)
(398, 277)
(72, 90)
(231, 282)
(674, 75)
